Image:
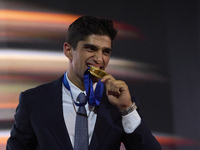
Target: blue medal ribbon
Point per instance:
(66, 84)
(93, 98)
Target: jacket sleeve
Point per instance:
(22, 136)
(141, 138)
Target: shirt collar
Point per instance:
(74, 89)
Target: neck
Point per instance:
(77, 82)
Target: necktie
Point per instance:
(81, 126)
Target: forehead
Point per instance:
(97, 40)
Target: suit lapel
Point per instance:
(103, 123)
(101, 130)
(54, 116)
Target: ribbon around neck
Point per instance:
(93, 98)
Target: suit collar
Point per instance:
(55, 120)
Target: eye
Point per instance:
(107, 52)
(90, 48)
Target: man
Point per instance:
(46, 115)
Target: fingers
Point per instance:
(107, 77)
(113, 87)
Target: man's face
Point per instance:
(95, 50)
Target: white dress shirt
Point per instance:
(130, 122)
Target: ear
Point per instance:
(67, 49)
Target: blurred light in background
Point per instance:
(44, 27)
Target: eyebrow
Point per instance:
(94, 46)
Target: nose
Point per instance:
(98, 58)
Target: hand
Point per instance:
(117, 92)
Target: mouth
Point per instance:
(96, 67)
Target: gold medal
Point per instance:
(97, 72)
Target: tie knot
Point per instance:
(81, 98)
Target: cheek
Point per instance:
(79, 59)
(106, 60)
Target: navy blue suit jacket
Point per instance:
(39, 124)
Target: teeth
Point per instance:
(93, 66)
